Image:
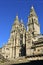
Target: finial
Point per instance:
(17, 17)
(21, 21)
(32, 7)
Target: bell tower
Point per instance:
(33, 25)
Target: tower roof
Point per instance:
(32, 7)
(16, 19)
(21, 21)
(32, 12)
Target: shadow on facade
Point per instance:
(23, 50)
(38, 62)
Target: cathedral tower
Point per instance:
(33, 25)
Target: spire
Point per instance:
(32, 7)
(16, 19)
(32, 12)
(21, 21)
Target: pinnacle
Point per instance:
(21, 21)
(17, 17)
(32, 11)
(32, 7)
(16, 20)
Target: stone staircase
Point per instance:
(21, 60)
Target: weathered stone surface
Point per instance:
(22, 42)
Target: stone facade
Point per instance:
(24, 42)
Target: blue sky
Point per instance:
(8, 11)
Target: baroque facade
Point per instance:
(24, 42)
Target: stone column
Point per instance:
(17, 46)
(14, 41)
(28, 43)
(11, 52)
(15, 52)
(23, 38)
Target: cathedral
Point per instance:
(24, 42)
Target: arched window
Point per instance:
(33, 26)
(21, 39)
